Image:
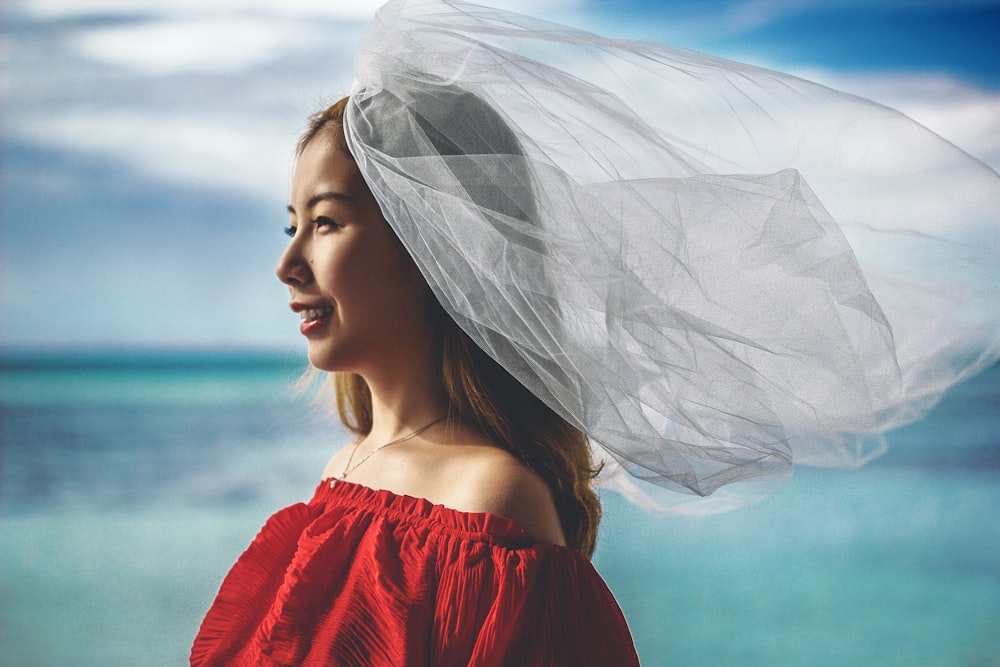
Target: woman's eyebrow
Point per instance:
(323, 196)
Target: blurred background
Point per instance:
(148, 424)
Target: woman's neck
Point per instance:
(406, 397)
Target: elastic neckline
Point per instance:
(474, 525)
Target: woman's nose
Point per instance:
(292, 268)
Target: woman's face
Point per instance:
(361, 299)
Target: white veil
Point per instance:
(714, 270)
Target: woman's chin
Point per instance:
(324, 357)
(322, 363)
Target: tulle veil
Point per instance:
(715, 270)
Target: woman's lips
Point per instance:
(313, 319)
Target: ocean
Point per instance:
(130, 482)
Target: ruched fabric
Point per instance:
(364, 577)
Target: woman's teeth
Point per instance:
(314, 313)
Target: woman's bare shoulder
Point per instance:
(495, 481)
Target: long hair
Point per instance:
(483, 395)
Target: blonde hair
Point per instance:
(484, 396)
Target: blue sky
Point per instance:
(146, 146)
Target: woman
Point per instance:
(514, 238)
(456, 528)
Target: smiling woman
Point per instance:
(450, 448)
(518, 270)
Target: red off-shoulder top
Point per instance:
(364, 577)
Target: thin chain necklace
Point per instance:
(351, 468)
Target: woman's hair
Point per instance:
(484, 396)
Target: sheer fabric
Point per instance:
(373, 579)
(714, 270)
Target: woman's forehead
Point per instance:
(322, 165)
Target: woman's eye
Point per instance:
(325, 222)
(290, 232)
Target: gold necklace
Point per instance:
(349, 468)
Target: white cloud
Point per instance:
(339, 9)
(744, 16)
(165, 37)
(250, 155)
(206, 101)
(349, 10)
(191, 45)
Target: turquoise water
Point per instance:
(130, 483)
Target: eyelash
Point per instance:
(321, 221)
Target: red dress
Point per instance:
(365, 577)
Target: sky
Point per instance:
(145, 151)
